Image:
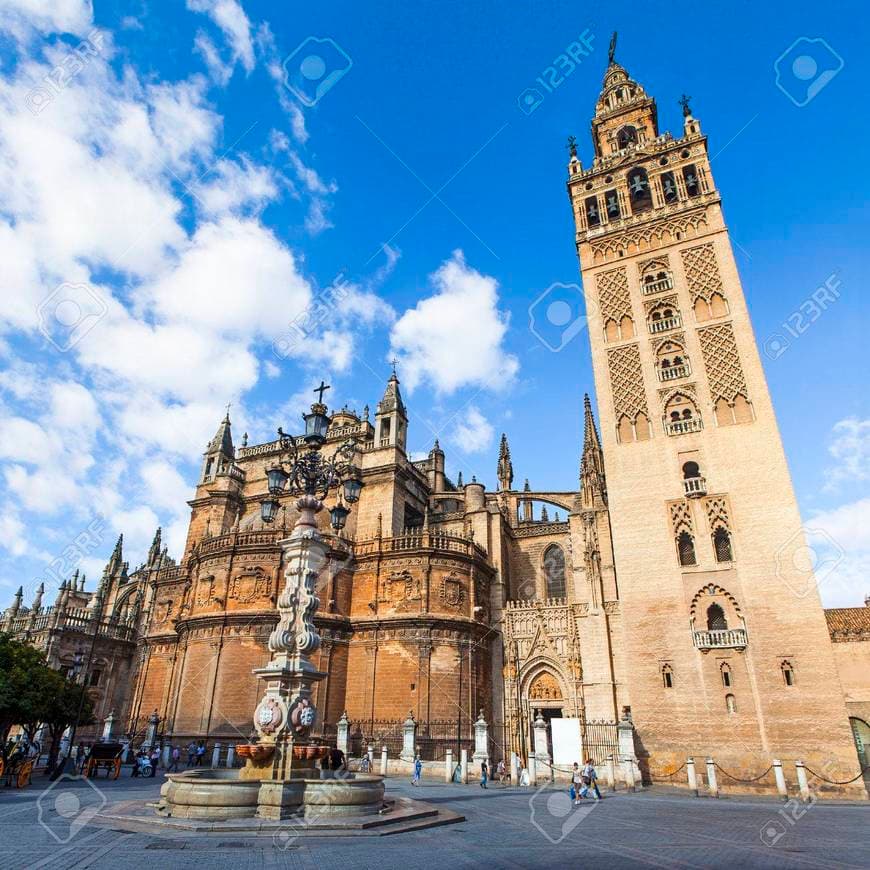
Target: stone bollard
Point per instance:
(693, 777)
(541, 751)
(780, 779)
(463, 765)
(164, 757)
(481, 741)
(628, 772)
(342, 730)
(803, 784)
(712, 785)
(448, 766)
(409, 739)
(216, 755)
(533, 769)
(383, 761)
(611, 772)
(231, 756)
(515, 780)
(370, 751)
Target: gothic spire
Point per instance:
(392, 400)
(505, 471)
(223, 439)
(116, 559)
(154, 550)
(592, 483)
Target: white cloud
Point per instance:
(473, 432)
(105, 188)
(236, 187)
(850, 448)
(46, 16)
(220, 71)
(840, 542)
(454, 338)
(230, 17)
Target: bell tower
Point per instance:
(707, 536)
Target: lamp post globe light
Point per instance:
(312, 476)
(286, 712)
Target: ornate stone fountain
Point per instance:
(281, 776)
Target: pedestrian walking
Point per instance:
(418, 770)
(590, 778)
(500, 772)
(176, 758)
(484, 773)
(155, 758)
(577, 784)
(191, 753)
(200, 753)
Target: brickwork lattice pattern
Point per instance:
(724, 372)
(626, 382)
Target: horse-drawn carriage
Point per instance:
(106, 756)
(17, 769)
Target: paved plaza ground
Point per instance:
(508, 827)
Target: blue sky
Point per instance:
(154, 164)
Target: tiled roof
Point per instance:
(849, 623)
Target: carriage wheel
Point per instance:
(24, 772)
(2, 767)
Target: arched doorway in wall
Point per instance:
(544, 693)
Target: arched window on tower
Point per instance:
(667, 676)
(787, 673)
(626, 136)
(611, 200)
(730, 703)
(716, 618)
(725, 670)
(593, 216)
(690, 177)
(554, 571)
(686, 549)
(639, 190)
(722, 545)
(669, 187)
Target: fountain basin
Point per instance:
(218, 794)
(209, 794)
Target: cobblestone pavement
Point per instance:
(508, 827)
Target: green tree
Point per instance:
(21, 670)
(33, 694)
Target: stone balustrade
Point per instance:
(725, 638)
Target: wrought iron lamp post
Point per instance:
(286, 713)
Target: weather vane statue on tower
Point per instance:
(611, 51)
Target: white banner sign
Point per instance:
(567, 746)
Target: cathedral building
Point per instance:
(660, 589)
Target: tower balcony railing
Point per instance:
(419, 539)
(671, 373)
(681, 427)
(665, 324)
(723, 638)
(658, 286)
(693, 487)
